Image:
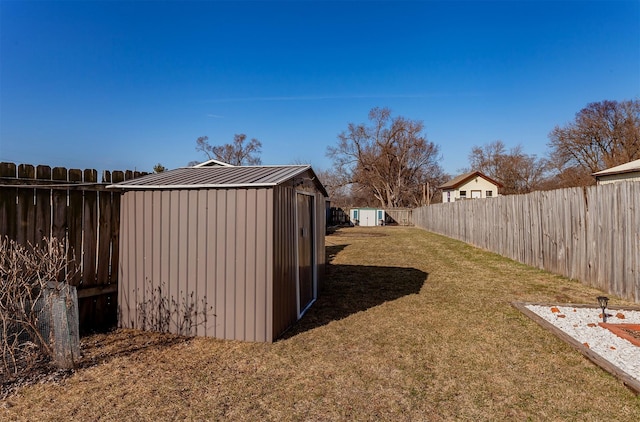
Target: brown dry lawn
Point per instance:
(410, 326)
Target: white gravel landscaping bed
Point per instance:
(581, 324)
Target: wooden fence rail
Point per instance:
(590, 234)
(38, 202)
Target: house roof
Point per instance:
(463, 178)
(213, 163)
(629, 167)
(220, 177)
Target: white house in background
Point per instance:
(367, 216)
(213, 163)
(623, 173)
(473, 185)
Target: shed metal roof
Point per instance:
(219, 177)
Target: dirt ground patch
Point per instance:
(411, 326)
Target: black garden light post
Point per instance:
(602, 302)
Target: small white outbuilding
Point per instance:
(367, 216)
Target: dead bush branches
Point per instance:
(170, 315)
(26, 272)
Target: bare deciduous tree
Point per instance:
(336, 187)
(237, 153)
(391, 159)
(604, 134)
(518, 172)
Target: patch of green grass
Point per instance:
(409, 326)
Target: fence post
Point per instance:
(65, 337)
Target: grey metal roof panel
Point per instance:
(215, 177)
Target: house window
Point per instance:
(463, 194)
(489, 194)
(449, 196)
(380, 215)
(355, 214)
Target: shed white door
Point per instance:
(368, 218)
(305, 251)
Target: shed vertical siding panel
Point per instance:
(230, 275)
(285, 309)
(189, 286)
(124, 285)
(211, 262)
(321, 228)
(165, 239)
(181, 284)
(202, 252)
(174, 246)
(221, 260)
(289, 250)
(267, 242)
(250, 270)
(127, 288)
(155, 254)
(188, 204)
(285, 302)
(278, 258)
(241, 213)
(260, 311)
(146, 239)
(138, 253)
(132, 250)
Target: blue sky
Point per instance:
(122, 85)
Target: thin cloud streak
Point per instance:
(341, 97)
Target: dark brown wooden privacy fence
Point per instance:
(590, 234)
(40, 201)
(337, 216)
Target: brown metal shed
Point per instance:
(227, 252)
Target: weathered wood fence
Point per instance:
(400, 216)
(37, 202)
(590, 234)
